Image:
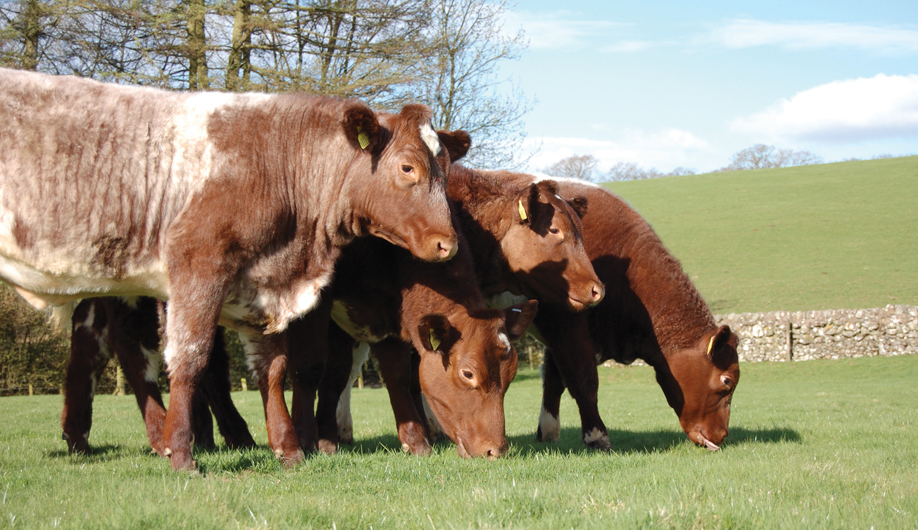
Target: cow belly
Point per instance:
(341, 316)
(42, 289)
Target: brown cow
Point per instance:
(233, 207)
(385, 297)
(524, 239)
(651, 312)
(129, 329)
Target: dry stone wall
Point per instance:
(832, 334)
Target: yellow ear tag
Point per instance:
(362, 139)
(523, 215)
(434, 341)
(711, 345)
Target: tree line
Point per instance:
(759, 156)
(443, 53)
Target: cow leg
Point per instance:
(567, 335)
(135, 340)
(216, 388)
(266, 355)
(89, 355)
(395, 365)
(345, 421)
(552, 388)
(334, 380)
(308, 353)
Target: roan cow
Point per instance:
(233, 207)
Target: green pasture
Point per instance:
(828, 236)
(818, 444)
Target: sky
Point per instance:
(688, 84)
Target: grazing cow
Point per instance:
(385, 297)
(129, 329)
(651, 312)
(524, 239)
(234, 207)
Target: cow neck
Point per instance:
(678, 314)
(483, 200)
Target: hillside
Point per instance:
(839, 235)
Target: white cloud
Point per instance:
(815, 35)
(558, 30)
(663, 150)
(842, 111)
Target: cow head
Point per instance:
(544, 247)
(406, 203)
(699, 382)
(467, 364)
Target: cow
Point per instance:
(233, 207)
(524, 240)
(128, 327)
(653, 312)
(465, 362)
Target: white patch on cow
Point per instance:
(505, 300)
(430, 138)
(90, 318)
(343, 416)
(341, 315)
(565, 180)
(549, 426)
(436, 430)
(504, 340)
(154, 364)
(594, 436)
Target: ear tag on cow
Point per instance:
(523, 215)
(362, 138)
(711, 345)
(434, 340)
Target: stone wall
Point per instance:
(832, 334)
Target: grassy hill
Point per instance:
(828, 236)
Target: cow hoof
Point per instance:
(290, 460)
(598, 440)
(328, 447)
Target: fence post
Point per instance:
(30, 389)
(245, 385)
(790, 341)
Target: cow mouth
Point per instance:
(460, 447)
(380, 232)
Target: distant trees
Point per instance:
(632, 171)
(761, 156)
(444, 53)
(581, 167)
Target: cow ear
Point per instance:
(518, 317)
(721, 347)
(579, 205)
(456, 143)
(361, 127)
(436, 334)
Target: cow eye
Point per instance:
(554, 230)
(468, 375)
(726, 381)
(406, 169)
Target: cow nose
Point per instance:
(598, 292)
(446, 250)
(496, 452)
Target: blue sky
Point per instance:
(686, 84)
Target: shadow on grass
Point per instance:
(643, 441)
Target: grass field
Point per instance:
(818, 444)
(828, 236)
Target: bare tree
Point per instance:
(581, 167)
(761, 156)
(460, 80)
